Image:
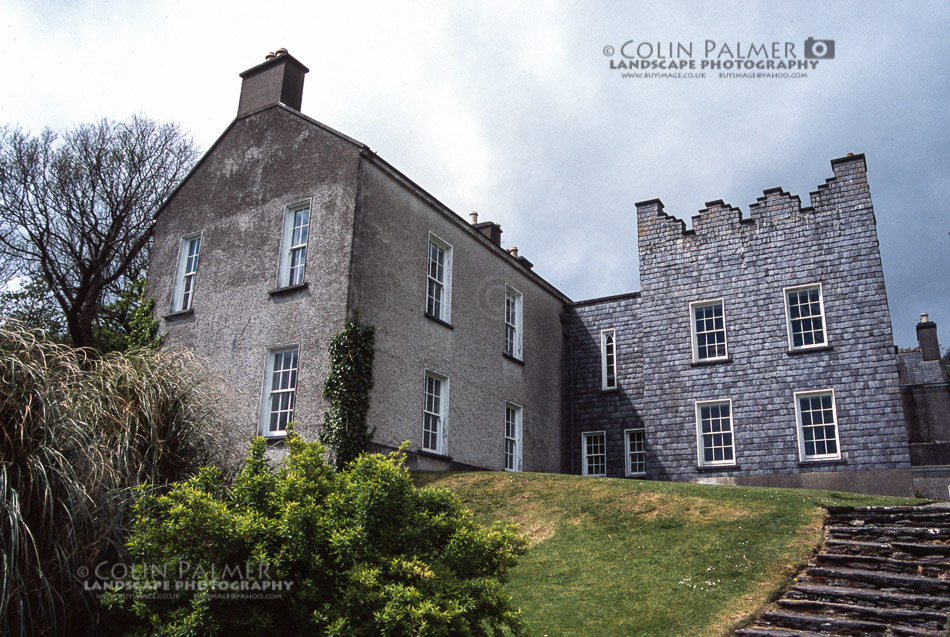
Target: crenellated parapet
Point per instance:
(776, 210)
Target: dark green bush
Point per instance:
(365, 551)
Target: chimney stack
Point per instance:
(473, 217)
(927, 337)
(279, 78)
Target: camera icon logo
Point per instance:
(819, 49)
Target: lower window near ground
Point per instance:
(513, 428)
(636, 449)
(280, 385)
(817, 425)
(714, 432)
(434, 411)
(594, 461)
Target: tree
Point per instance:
(77, 211)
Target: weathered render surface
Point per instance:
(387, 288)
(236, 199)
(748, 263)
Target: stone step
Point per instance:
(911, 510)
(886, 564)
(931, 553)
(837, 625)
(883, 534)
(893, 581)
(771, 631)
(928, 550)
(903, 519)
(915, 618)
(879, 598)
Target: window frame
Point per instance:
(604, 385)
(267, 391)
(788, 317)
(441, 432)
(518, 454)
(584, 437)
(178, 291)
(284, 267)
(699, 404)
(627, 452)
(801, 434)
(445, 306)
(693, 335)
(518, 326)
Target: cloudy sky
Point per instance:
(511, 109)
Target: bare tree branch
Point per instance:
(78, 210)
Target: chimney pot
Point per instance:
(924, 317)
(473, 217)
(270, 56)
(281, 51)
(513, 252)
(850, 154)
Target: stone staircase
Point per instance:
(880, 571)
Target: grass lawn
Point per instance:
(633, 557)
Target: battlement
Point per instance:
(846, 190)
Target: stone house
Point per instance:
(740, 360)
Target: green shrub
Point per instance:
(80, 430)
(365, 552)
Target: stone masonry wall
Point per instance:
(593, 408)
(748, 262)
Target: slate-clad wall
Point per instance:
(748, 262)
(595, 409)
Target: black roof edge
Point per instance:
(604, 299)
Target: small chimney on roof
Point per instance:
(473, 217)
(279, 78)
(513, 252)
(927, 337)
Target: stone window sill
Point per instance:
(439, 321)
(513, 359)
(174, 316)
(822, 463)
(717, 361)
(808, 350)
(288, 289)
(705, 468)
(432, 454)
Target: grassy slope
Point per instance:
(624, 557)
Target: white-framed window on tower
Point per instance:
(636, 451)
(805, 317)
(514, 425)
(817, 417)
(594, 453)
(435, 412)
(708, 327)
(608, 359)
(714, 432)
